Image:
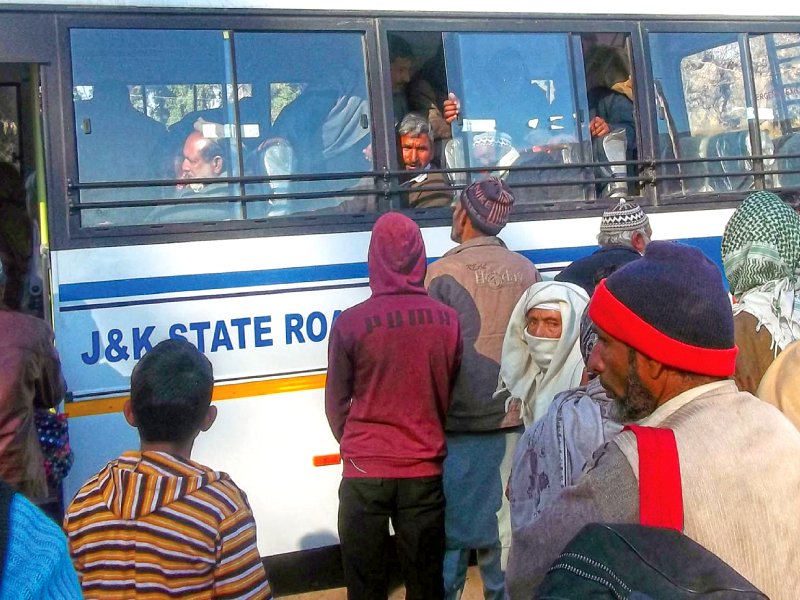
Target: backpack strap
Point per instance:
(660, 492)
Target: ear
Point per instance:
(651, 368)
(217, 165)
(638, 243)
(466, 222)
(127, 410)
(209, 419)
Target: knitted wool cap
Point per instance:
(488, 203)
(625, 216)
(670, 305)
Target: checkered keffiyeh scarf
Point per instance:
(761, 243)
(761, 257)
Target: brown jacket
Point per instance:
(30, 378)
(755, 355)
(482, 280)
(421, 195)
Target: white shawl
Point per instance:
(776, 306)
(520, 376)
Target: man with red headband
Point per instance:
(665, 354)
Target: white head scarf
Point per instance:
(519, 374)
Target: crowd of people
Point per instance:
(477, 408)
(493, 416)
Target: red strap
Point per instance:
(660, 493)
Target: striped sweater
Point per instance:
(153, 525)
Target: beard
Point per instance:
(637, 402)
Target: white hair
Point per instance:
(623, 238)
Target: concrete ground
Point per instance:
(472, 591)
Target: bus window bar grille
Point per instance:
(386, 174)
(386, 182)
(247, 179)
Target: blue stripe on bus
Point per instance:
(147, 286)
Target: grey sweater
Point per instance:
(740, 473)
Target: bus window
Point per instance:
(518, 110)
(700, 90)
(776, 66)
(309, 115)
(154, 105)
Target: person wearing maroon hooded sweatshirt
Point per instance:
(392, 361)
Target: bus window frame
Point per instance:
(739, 27)
(67, 233)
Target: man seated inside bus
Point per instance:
(426, 188)
(493, 149)
(203, 158)
(153, 520)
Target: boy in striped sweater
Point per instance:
(153, 523)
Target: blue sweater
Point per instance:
(37, 564)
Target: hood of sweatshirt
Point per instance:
(396, 257)
(137, 484)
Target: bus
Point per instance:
(251, 245)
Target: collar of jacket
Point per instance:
(484, 240)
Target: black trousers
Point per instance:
(416, 509)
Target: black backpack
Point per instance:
(652, 560)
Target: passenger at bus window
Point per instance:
(196, 531)
(427, 92)
(610, 96)
(340, 142)
(401, 68)
(482, 280)
(203, 158)
(427, 188)
(30, 380)
(491, 149)
(761, 256)
(327, 127)
(392, 361)
(624, 234)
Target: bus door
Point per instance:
(22, 198)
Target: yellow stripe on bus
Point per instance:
(230, 391)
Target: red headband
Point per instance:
(620, 322)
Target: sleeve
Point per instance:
(50, 385)
(63, 582)
(339, 383)
(422, 99)
(239, 572)
(607, 492)
(437, 286)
